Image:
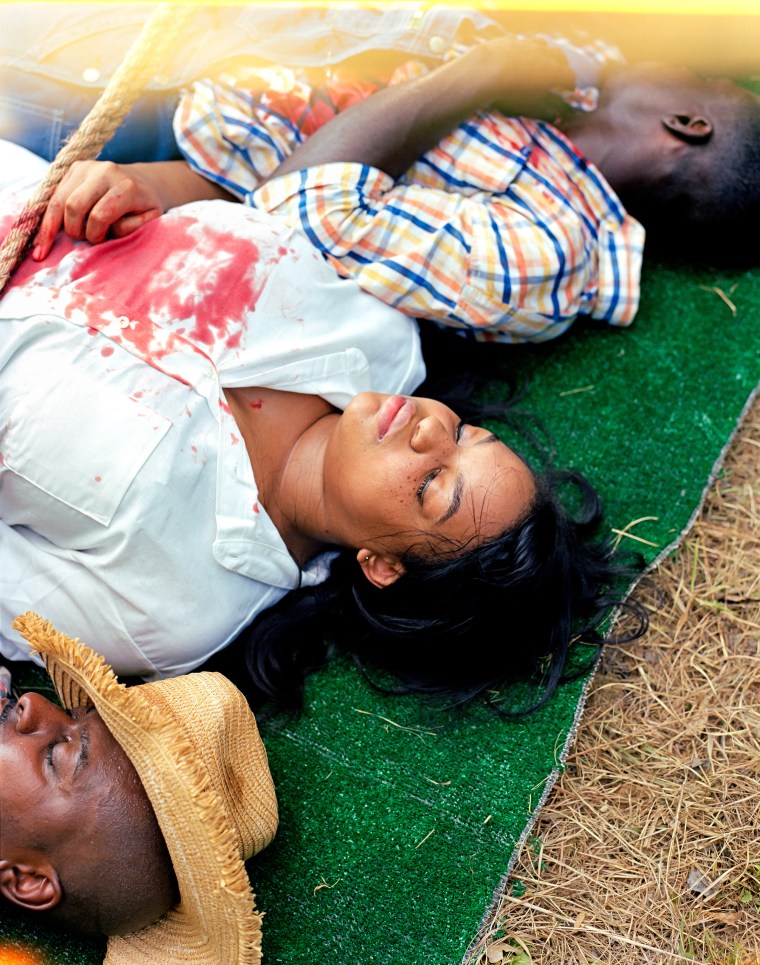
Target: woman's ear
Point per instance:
(34, 887)
(380, 570)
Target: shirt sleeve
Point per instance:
(222, 137)
(236, 132)
(468, 260)
(446, 242)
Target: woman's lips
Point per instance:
(394, 414)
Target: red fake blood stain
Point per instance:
(6, 223)
(98, 479)
(180, 269)
(256, 403)
(148, 341)
(27, 268)
(255, 508)
(107, 350)
(234, 439)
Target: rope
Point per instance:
(127, 83)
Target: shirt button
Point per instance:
(90, 75)
(123, 321)
(437, 45)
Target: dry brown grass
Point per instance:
(648, 849)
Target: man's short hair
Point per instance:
(98, 901)
(711, 203)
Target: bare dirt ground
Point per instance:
(648, 849)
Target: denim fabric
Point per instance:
(39, 114)
(56, 58)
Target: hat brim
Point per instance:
(216, 920)
(173, 938)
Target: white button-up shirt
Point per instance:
(130, 514)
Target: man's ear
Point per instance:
(380, 570)
(692, 128)
(36, 888)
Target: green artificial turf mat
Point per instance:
(409, 834)
(397, 821)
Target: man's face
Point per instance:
(60, 774)
(645, 92)
(661, 134)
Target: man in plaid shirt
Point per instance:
(443, 195)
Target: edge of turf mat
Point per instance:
(354, 875)
(676, 382)
(553, 777)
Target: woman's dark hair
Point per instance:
(455, 626)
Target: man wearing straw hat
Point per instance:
(131, 812)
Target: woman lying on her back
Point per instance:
(194, 416)
(466, 618)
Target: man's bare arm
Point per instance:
(391, 129)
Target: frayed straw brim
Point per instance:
(195, 746)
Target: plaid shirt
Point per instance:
(503, 229)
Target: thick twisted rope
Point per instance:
(125, 86)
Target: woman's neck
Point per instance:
(285, 435)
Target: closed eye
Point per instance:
(431, 475)
(425, 483)
(50, 748)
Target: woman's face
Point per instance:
(405, 472)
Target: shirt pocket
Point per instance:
(81, 442)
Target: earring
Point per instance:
(366, 558)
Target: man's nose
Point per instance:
(36, 714)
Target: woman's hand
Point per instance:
(96, 199)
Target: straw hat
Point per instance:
(195, 746)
